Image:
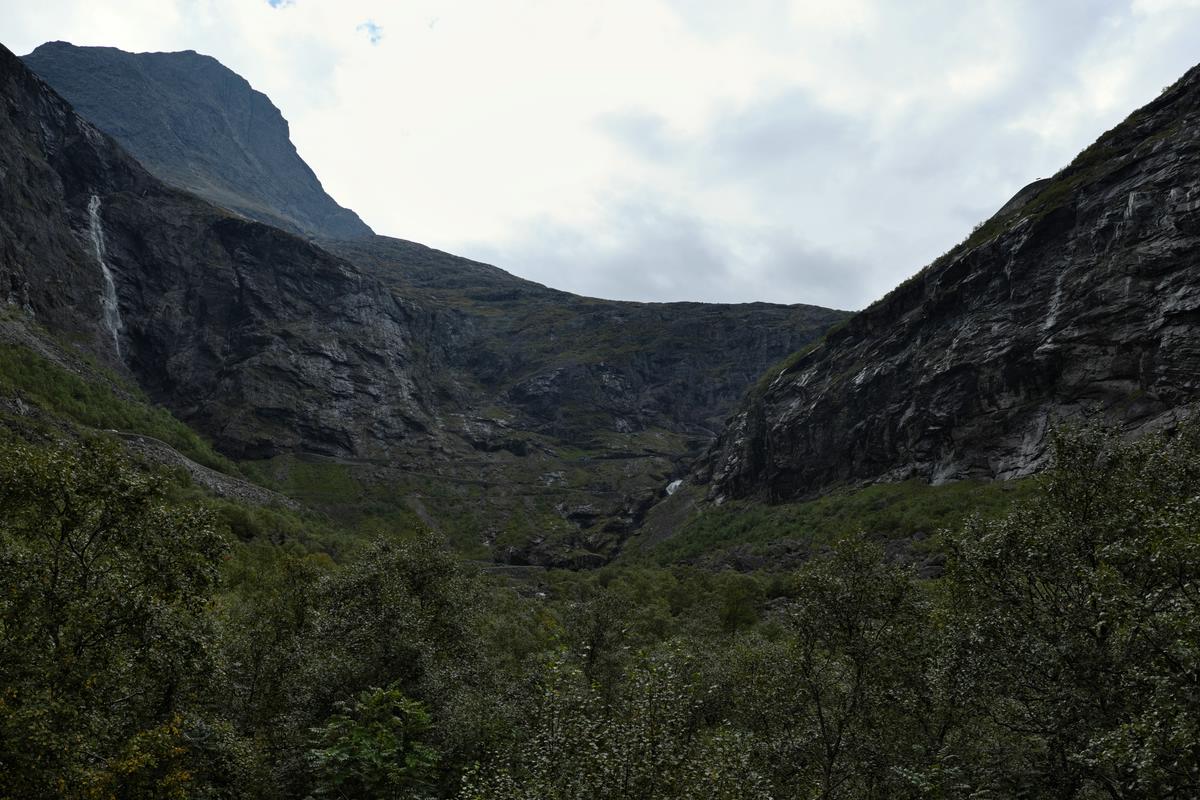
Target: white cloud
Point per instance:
(673, 149)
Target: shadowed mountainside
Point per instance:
(1080, 297)
(570, 364)
(255, 336)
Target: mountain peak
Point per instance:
(201, 127)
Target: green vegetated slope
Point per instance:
(555, 504)
(146, 653)
(908, 514)
(52, 391)
(104, 402)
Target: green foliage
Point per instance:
(303, 640)
(362, 505)
(373, 748)
(837, 698)
(102, 623)
(894, 510)
(320, 483)
(284, 527)
(1082, 613)
(649, 743)
(95, 405)
(1057, 657)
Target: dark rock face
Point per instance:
(570, 365)
(198, 126)
(257, 337)
(49, 158)
(264, 341)
(581, 410)
(1081, 296)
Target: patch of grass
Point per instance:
(282, 527)
(894, 510)
(320, 484)
(56, 391)
(364, 502)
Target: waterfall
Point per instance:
(1055, 302)
(110, 311)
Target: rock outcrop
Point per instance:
(257, 337)
(199, 126)
(1080, 297)
(571, 366)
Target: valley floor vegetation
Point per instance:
(155, 645)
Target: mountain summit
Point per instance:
(201, 127)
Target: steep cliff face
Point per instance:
(1080, 297)
(573, 414)
(259, 338)
(198, 126)
(568, 366)
(573, 365)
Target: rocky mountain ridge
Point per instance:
(231, 323)
(564, 362)
(560, 418)
(1079, 298)
(198, 126)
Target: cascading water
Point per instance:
(1055, 303)
(110, 311)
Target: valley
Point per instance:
(292, 509)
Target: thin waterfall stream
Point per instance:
(110, 310)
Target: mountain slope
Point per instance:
(567, 364)
(570, 364)
(257, 337)
(1080, 297)
(531, 423)
(198, 126)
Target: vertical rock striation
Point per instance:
(1080, 297)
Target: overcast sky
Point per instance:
(672, 149)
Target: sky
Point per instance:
(777, 150)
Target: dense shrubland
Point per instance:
(145, 651)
